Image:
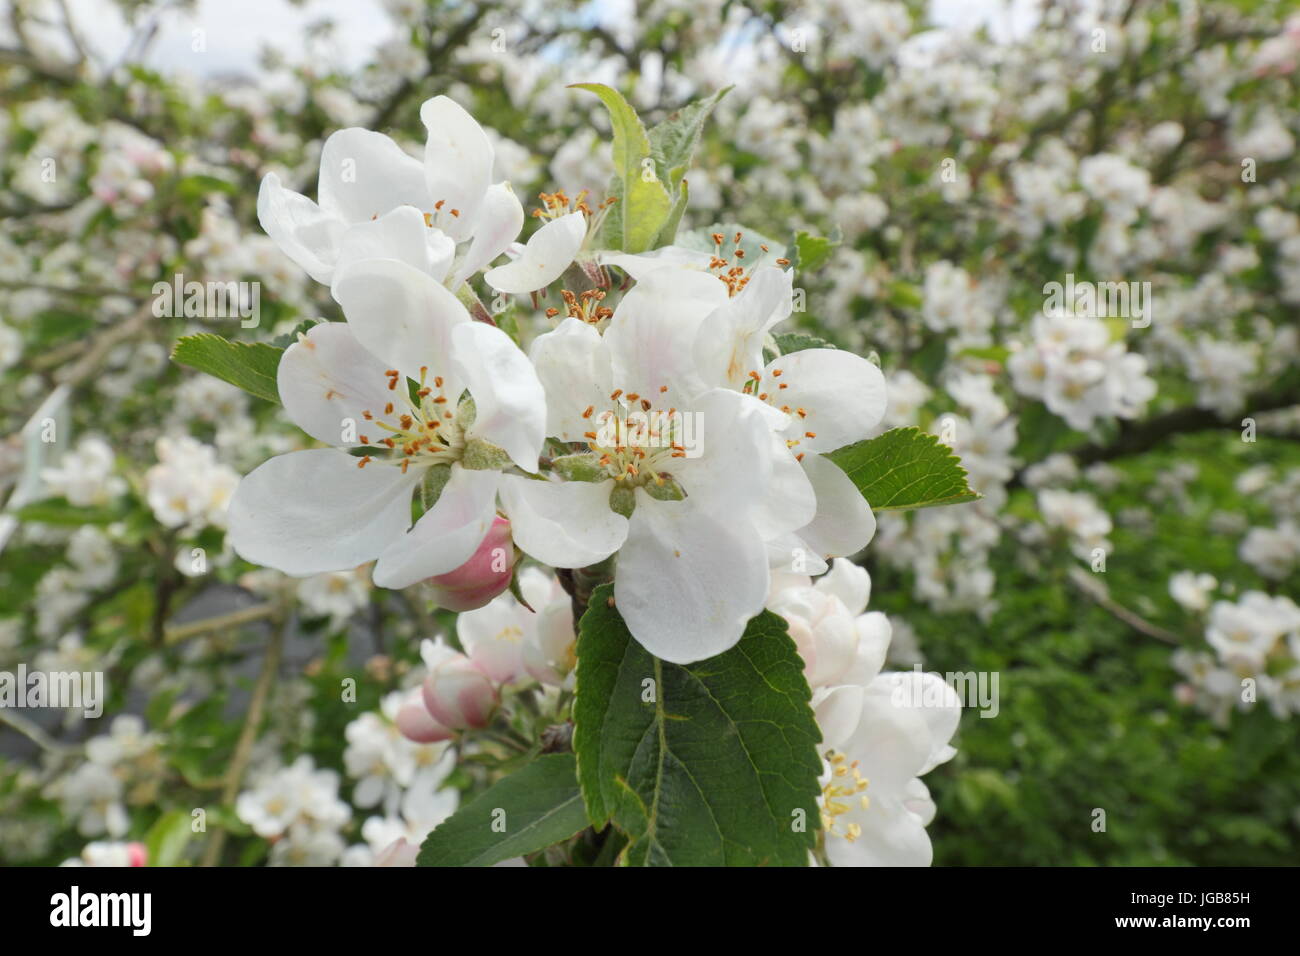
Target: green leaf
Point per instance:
(905, 295)
(249, 365)
(809, 252)
(58, 511)
(988, 353)
(167, 838)
(199, 187)
(673, 142)
(669, 231)
(538, 806)
(707, 764)
(303, 327)
(904, 468)
(643, 202)
(789, 342)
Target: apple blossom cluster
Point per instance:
(686, 451)
(1254, 654)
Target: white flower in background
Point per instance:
(1273, 552)
(1074, 368)
(337, 595)
(11, 347)
(91, 553)
(953, 304)
(297, 793)
(1213, 688)
(839, 643)
(93, 796)
(126, 741)
(307, 844)
(189, 488)
(508, 642)
(85, 476)
(385, 763)
(1222, 371)
(374, 200)
(422, 808)
(1244, 634)
(1192, 591)
(345, 384)
(1122, 187)
(110, 854)
(1078, 514)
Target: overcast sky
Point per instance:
(236, 30)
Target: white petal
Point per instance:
(327, 380)
(686, 583)
(790, 554)
(790, 501)
(732, 473)
(364, 174)
(442, 253)
(649, 335)
(347, 516)
(891, 742)
(844, 524)
(937, 704)
(303, 231)
(499, 221)
(639, 265)
(458, 158)
(849, 582)
(510, 405)
(566, 524)
(548, 253)
(446, 535)
(573, 366)
(401, 315)
(842, 395)
(838, 711)
(891, 835)
(400, 234)
(874, 634)
(730, 341)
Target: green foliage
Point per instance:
(527, 811)
(904, 468)
(712, 763)
(249, 365)
(643, 204)
(1087, 715)
(809, 252)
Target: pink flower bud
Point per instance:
(485, 575)
(459, 695)
(136, 854)
(398, 853)
(415, 723)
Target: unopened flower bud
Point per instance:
(415, 723)
(485, 575)
(459, 695)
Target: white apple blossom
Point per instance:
(345, 384)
